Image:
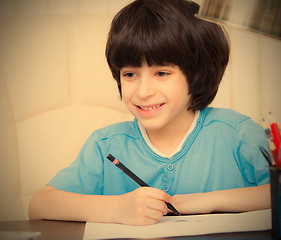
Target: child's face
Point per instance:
(157, 96)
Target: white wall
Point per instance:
(56, 88)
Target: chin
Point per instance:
(151, 124)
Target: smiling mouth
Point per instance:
(149, 108)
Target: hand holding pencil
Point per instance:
(151, 205)
(143, 206)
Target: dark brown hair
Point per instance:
(167, 32)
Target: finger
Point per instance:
(153, 214)
(158, 205)
(159, 194)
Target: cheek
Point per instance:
(126, 93)
(182, 95)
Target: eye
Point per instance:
(129, 74)
(162, 74)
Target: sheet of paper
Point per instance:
(170, 226)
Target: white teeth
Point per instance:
(149, 108)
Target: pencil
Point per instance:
(266, 155)
(136, 179)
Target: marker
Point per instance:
(275, 133)
(271, 144)
(279, 155)
(136, 179)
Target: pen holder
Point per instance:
(275, 183)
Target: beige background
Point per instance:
(56, 88)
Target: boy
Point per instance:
(168, 65)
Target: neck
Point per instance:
(168, 138)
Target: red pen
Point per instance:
(271, 145)
(275, 135)
(273, 151)
(279, 155)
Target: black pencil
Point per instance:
(136, 179)
(266, 155)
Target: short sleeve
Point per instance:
(85, 174)
(250, 136)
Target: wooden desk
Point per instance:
(59, 230)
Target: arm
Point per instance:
(232, 200)
(141, 207)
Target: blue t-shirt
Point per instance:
(222, 152)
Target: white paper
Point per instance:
(188, 225)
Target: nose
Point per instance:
(145, 88)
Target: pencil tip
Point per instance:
(110, 157)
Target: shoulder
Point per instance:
(234, 125)
(230, 122)
(224, 116)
